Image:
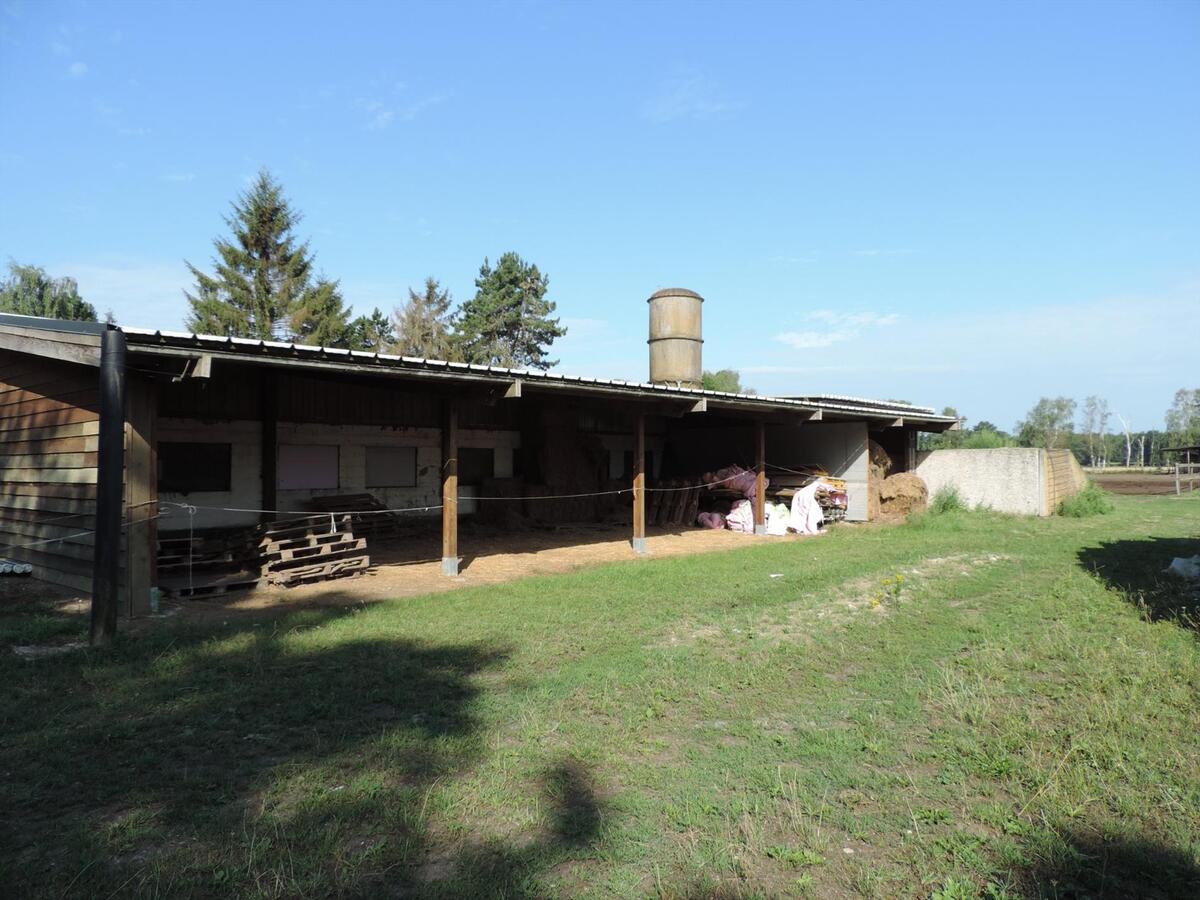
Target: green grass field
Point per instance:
(969, 705)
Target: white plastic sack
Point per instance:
(807, 515)
(778, 517)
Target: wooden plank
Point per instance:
(639, 484)
(86, 428)
(42, 385)
(52, 476)
(141, 494)
(81, 444)
(51, 418)
(85, 399)
(450, 488)
(75, 520)
(62, 347)
(57, 491)
(49, 461)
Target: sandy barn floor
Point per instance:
(408, 566)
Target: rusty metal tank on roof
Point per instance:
(675, 337)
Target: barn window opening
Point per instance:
(308, 467)
(475, 464)
(391, 466)
(188, 467)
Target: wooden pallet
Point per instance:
(292, 551)
(352, 565)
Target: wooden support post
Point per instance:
(639, 485)
(270, 440)
(141, 495)
(110, 476)
(910, 450)
(450, 489)
(760, 483)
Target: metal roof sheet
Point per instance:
(315, 354)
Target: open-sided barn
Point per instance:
(106, 430)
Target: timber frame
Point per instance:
(51, 407)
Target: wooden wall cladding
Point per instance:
(49, 426)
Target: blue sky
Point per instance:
(966, 204)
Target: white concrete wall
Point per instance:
(351, 440)
(1007, 479)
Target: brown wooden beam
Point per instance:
(639, 485)
(141, 495)
(760, 482)
(450, 488)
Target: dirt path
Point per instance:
(406, 567)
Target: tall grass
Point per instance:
(946, 500)
(1091, 501)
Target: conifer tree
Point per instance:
(508, 321)
(29, 291)
(262, 285)
(423, 327)
(320, 317)
(373, 333)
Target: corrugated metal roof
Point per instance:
(316, 356)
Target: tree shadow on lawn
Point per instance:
(1135, 567)
(262, 757)
(1088, 866)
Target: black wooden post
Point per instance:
(110, 474)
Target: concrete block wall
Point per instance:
(1006, 479)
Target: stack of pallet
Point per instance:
(296, 551)
(304, 550)
(679, 504)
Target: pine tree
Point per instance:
(29, 291)
(423, 324)
(508, 321)
(262, 286)
(373, 333)
(321, 317)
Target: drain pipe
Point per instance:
(110, 477)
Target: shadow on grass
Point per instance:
(1086, 866)
(290, 757)
(1135, 567)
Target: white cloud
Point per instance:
(77, 69)
(58, 48)
(994, 362)
(686, 96)
(178, 177)
(380, 115)
(842, 327)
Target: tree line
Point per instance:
(1097, 435)
(263, 284)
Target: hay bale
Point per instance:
(878, 466)
(901, 494)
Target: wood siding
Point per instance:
(1064, 478)
(49, 422)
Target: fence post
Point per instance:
(1176, 479)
